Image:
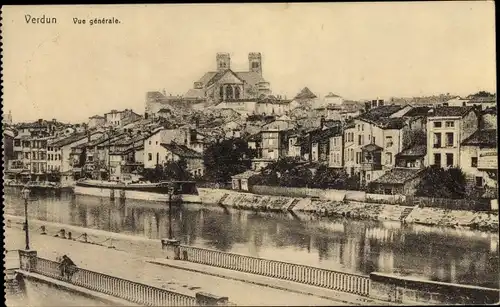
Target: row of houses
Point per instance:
(390, 143)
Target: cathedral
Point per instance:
(228, 85)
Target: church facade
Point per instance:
(228, 85)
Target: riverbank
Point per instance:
(484, 221)
(137, 259)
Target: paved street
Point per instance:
(129, 266)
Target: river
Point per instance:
(433, 253)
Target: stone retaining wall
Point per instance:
(325, 206)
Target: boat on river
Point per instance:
(183, 191)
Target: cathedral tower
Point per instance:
(223, 61)
(255, 62)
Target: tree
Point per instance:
(482, 94)
(176, 170)
(227, 158)
(440, 183)
(154, 174)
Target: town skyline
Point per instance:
(407, 45)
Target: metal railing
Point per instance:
(114, 286)
(340, 281)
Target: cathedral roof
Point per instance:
(207, 77)
(221, 74)
(249, 77)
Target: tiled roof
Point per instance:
(305, 94)
(195, 93)
(482, 138)
(221, 74)
(386, 122)
(70, 139)
(380, 112)
(332, 95)
(250, 77)
(97, 116)
(445, 111)
(398, 176)
(418, 111)
(245, 175)
(207, 77)
(182, 151)
(414, 151)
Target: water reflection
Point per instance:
(442, 254)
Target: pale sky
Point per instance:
(356, 50)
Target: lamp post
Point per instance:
(26, 195)
(171, 190)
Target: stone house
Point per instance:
(447, 128)
(397, 181)
(479, 159)
(175, 152)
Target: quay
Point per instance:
(220, 274)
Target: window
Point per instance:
(358, 127)
(368, 177)
(450, 124)
(334, 141)
(373, 140)
(388, 141)
(437, 140)
(449, 159)
(150, 156)
(479, 181)
(17, 142)
(363, 127)
(473, 162)
(388, 158)
(437, 124)
(437, 159)
(388, 191)
(149, 142)
(449, 139)
(156, 142)
(352, 154)
(360, 139)
(358, 157)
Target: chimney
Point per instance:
(40, 121)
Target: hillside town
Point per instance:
(381, 145)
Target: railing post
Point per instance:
(172, 246)
(27, 260)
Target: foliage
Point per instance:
(172, 170)
(227, 158)
(440, 183)
(176, 170)
(328, 178)
(482, 94)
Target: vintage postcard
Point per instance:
(285, 154)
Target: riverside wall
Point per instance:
(329, 203)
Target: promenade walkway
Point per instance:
(133, 267)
